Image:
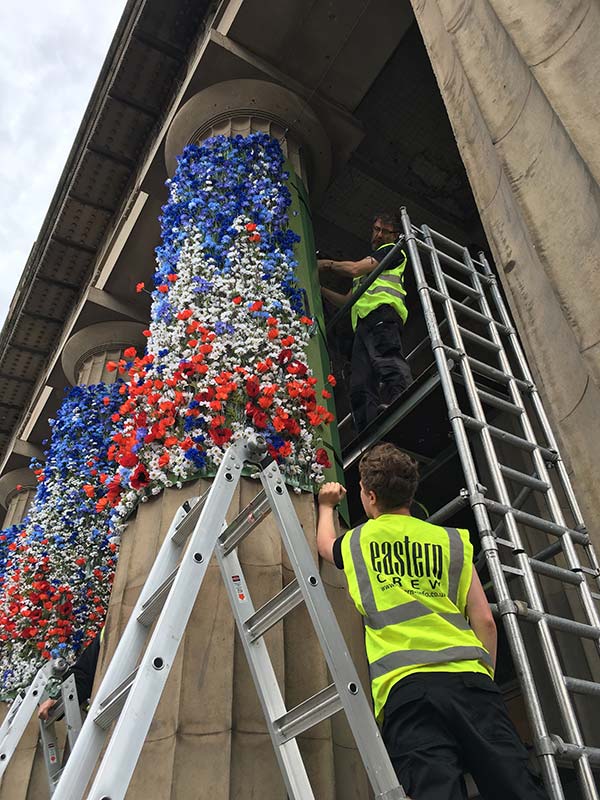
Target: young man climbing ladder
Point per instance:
(430, 640)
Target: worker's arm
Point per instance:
(480, 617)
(330, 495)
(336, 298)
(45, 708)
(349, 269)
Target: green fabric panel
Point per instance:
(318, 355)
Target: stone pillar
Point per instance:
(533, 171)
(209, 730)
(84, 360)
(17, 490)
(87, 352)
(23, 779)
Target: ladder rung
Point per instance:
(453, 262)
(573, 752)
(512, 570)
(558, 623)
(187, 524)
(498, 402)
(595, 595)
(309, 713)
(582, 687)
(273, 611)
(482, 368)
(536, 522)
(591, 572)
(462, 308)
(558, 573)
(153, 605)
(111, 706)
(523, 479)
(509, 438)
(480, 340)
(245, 522)
(461, 287)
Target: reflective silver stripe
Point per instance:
(457, 557)
(392, 616)
(411, 658)
(401, 613)
(390, 278)
(457, 620)
(387, 290)
(362, 576)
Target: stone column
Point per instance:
(87, 352)
(21, 780)
(84, 360)
(533, 168)
(209, 730)
(17, 490)
(533, 175)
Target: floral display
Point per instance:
(227, 340)
(225, 357)
(56, 568)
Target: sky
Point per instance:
(50, 58)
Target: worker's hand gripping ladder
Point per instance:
(132, 687)
(23, 708)
(484, 374)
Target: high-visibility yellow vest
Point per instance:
(410, 579)
(387, 289)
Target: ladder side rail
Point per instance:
(545, 750)
(541, 414)
(23, 712)
(288, 754)
(49, 745)
(569, 550)
(122, 753)
(351, 694)
(91, 737)
(72, 710)
(530, 584)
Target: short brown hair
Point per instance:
(391, 474)
(391, 218)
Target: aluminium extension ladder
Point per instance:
(23, 708)
(132, 686)
(487, 372)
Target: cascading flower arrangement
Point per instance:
(226, 356)
(226, 351)
(57, 566)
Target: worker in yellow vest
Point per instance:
(379, 371)
(430, 640)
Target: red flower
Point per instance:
(250, 226)
(163, 460)
(140, 478)
(185, 314)
(254, 238)
(130, 352)
(220, 436)
(331, 379)
(237, 300)
(260, 419)
(252, 387)
(306, 320)
(110, 366)
(256, 306)
(326, 394)
(172, 277)
(163, 288)
(139, 287)
(322, 458)
(147, 333)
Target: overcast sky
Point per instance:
(50, 56)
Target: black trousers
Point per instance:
(439, 725)
(379, 371)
